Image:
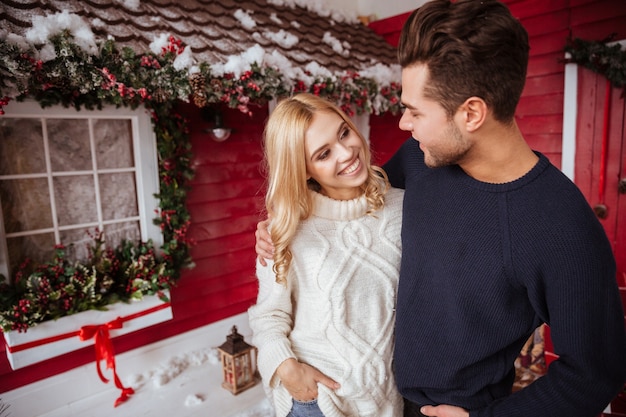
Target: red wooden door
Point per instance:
(619, 245)
(600, 167)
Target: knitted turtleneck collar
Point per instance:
(343, 210)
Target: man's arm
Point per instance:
(264, 246)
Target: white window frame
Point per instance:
(145, 154)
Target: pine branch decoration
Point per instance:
(600, 57)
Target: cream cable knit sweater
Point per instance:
(337, 312)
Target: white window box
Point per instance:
(56, 337)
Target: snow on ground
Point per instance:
(185, 385)
(176, 377)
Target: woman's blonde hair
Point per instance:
(287, 200)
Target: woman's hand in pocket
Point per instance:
(301, 380)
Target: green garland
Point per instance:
(37, 293)
(121, 77)
(600, 57)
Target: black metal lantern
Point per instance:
(238, 363)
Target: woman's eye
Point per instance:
(344, 133)
(323, 155)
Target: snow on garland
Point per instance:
(60, 61)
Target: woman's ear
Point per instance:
(474, 111)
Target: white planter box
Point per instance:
(56, 337)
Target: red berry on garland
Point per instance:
(169, 164)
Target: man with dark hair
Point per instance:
(495, 239)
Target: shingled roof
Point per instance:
(216, 30)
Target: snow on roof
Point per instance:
(299, 34)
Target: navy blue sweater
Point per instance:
(482, 266)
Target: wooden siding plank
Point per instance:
(597, 12)
(204, 249)
(216, 173)
(599, 31)
(229, 153)
(541, 104)
(619, 247)
(546, 84)
(613, 169)
(589, 123)
(530, 8)
(540, 124)
(548, 43)
(242, 294)
(575, 3)
(202, 285)
(546, 23)
(547, 64)
(211, 315)
(216, 268)
(225, 209)
(233, 189)
(223, 228)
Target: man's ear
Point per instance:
(474, 111)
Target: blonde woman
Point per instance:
(325, 311)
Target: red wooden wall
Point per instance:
(225, 205)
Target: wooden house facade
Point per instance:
(226, 196)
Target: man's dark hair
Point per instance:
(471, 48)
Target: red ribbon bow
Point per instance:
(103, 344)
(104, 351)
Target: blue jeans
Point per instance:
(305, 409)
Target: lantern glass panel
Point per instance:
(238, 363)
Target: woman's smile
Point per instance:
(352, 168)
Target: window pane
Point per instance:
(113, 142)
(57, 166)
(119, 195)
(77, 242)
(75, 200)
(69, 144)
(115, 233)
(25, 204)
(21, 147)
(38, 248)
